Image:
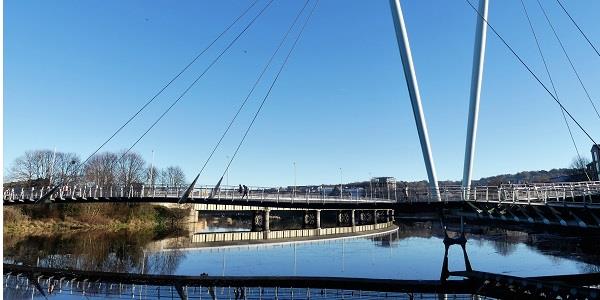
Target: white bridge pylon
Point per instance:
(415, 96)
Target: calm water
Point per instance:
(413, 251)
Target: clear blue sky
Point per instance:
(75, 70)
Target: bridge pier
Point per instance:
(267, 214)
(261, 220)
(318, 221)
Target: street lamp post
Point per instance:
(294, 179)
(371, 185)
(341, 185)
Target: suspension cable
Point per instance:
(197, 79)
(271, 87)
(537, 42)
(170, 82)
(264, 70)
(579, 28)
(569, 59)
(78, 167)
(530, 71)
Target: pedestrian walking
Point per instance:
(240, 190)
(245, 192)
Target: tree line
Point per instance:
(38, 168)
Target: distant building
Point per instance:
(382, 187)
(384, 182)
(593, 168)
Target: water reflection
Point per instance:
(413, 251)
(121, 251)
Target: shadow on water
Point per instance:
(555, 242)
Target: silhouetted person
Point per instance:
(240, 190)
(245, 192)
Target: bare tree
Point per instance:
(44, 166)
(579, 168)
(172, 176)
(24, 168)
(64, 168)
(130, 168)
(580, 163)
(99, 169)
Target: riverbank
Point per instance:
(50, 219)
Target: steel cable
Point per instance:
(569, 59)
(254, 86)
(197, 79)
(271, 86)
(530, 71)
(537, 42)
(579, 28)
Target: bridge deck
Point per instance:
(575, 194)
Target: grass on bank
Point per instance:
(48, 219)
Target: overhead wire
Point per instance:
(171, 81)
(78, 167)
(214, 61)
(271, 86)
(264, 70)
(579, 28)
(569, 59)
(537, 42)
(530, 71)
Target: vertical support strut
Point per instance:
(413, 91)
(476, 76)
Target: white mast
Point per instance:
(476, 76)
(415, 96)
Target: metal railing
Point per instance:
(540, 193)
(224, 193)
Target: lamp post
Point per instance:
(371, 185)
(294, 179)
(341, 185)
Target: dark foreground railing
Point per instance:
(47, 281)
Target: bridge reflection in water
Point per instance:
(24, 281)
